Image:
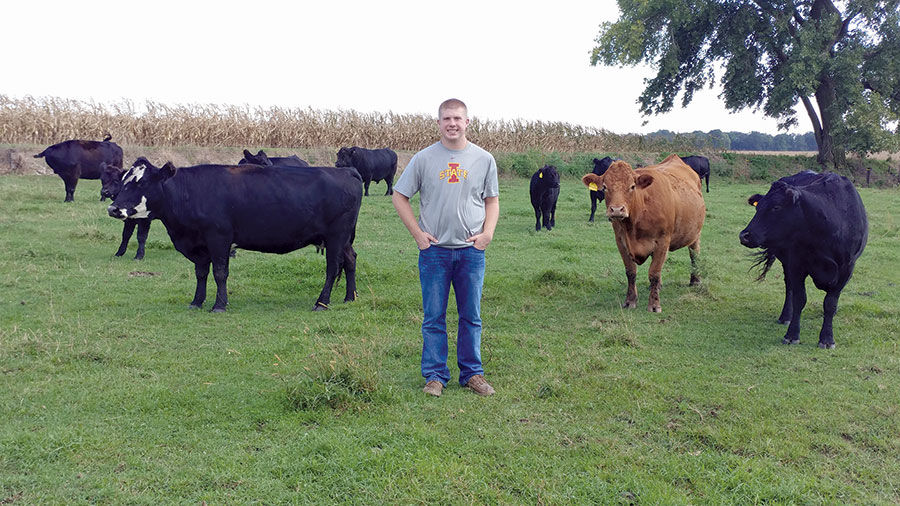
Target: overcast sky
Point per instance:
(505, 59)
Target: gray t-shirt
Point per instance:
(452, 185)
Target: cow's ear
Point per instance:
(794, 194)
(261, 153)
(644, 180)
(592, 181)
(247, 154)
(168, 170)
(754, 199)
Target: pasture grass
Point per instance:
(112, 391)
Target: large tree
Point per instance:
(840, 59)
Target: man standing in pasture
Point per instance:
(458, 210)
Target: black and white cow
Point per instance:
(372, 165)
(111, 185)
(816, 226)
(597, 195)
(544, 194)
(207, 208)
(77, 159)
(700, 164)
(260, 158)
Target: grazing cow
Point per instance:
(544, 193)
(372, 165)
(816, 226)
(653, 210)
(207, 208)
(77, 159)
(260, 158)
(111, 181)
(700, 164)
(600, 167)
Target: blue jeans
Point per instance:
(439, 268)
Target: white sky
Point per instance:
(505, 59)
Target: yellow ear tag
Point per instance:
(754, 204)
(541, 175)
(593, 186)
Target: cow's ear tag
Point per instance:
(541, 175)
(755, 202)
(593, 186)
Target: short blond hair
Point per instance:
(452, 103)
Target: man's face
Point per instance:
(453, 123)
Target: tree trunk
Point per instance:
(831, 156)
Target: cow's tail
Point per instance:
(41, 154)
(107, 138)
(764, 258)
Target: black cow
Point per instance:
(77, 159)
(816, 226)
(207, 208)
(597, 195)
(700, 164)
(260, 158)
(544, 193)
(111, 181)
(372, 165)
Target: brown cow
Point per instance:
(653, 210)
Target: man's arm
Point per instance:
(404, 210)
(491, 215)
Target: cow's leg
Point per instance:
(334, 250)
(798, 302)
(659, 258)
(350, 272)
(537, 218)
(545, 212)
(826, 335)
(220, 259)
(390, 185)
(127, 230)
(553, 210)
(201, 271)
(366, 185)
(707, 182)
(694, 250)
(70, 182)
(785, 317)
(143, 230)
(593, 207)
(630, 275)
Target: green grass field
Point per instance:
(113, 391)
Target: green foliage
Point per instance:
(844, 56)
(113, 392)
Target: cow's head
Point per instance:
(549, 175)
(141, 185)
(776, 214)
(259, 158)
(110, 180)
(620, 184)
(600, 166)
(344, 157)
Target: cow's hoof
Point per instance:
(790, 341)
(629, 305)
(217, 310)
(826, 346)
(194, 306)
(139, 258)
(694, 281)
(319, 308)
(119, 254)
(784, 322)
(655, 309)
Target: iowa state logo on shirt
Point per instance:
(453, 173)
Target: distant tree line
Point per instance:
(739, 141)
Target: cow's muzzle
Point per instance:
(117, 212)
(747, 239)
(616, 213)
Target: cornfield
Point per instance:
(48, 120)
